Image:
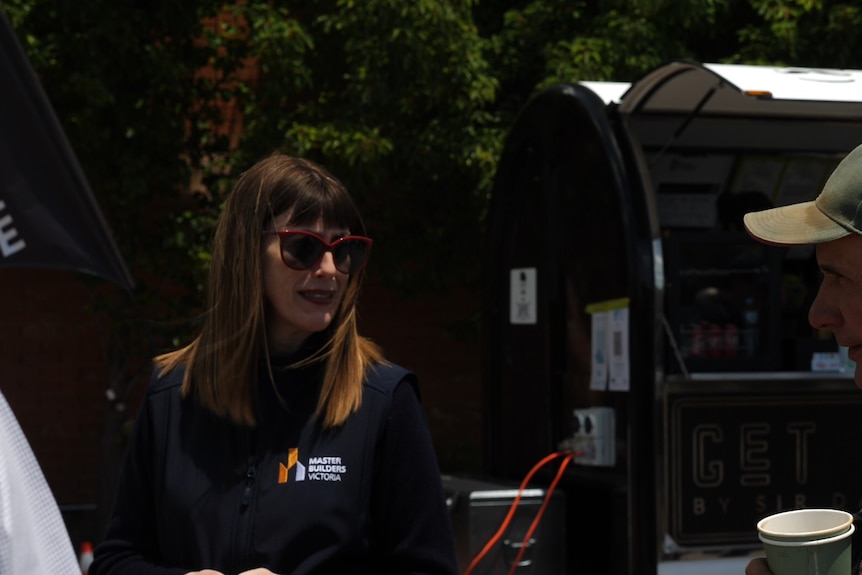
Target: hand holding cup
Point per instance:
(805, 542)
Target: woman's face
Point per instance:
(299, 302)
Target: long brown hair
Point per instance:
(222, 361)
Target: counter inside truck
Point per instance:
(727, 405)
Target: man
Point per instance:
(33, 537)
(833, 223)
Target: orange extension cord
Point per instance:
(567, 456)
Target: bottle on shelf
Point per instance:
(749, 333)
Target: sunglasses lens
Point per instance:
(300, 251)
(350, 256)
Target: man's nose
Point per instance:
(823, 314)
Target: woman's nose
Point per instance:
(327, 264)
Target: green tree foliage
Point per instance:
(396, 97)
(124, 80)
(407, 101)
(808, 33)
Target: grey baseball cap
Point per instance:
(835, 213)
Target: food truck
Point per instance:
(628, 314)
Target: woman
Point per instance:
(279, 440)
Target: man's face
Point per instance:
(838, 305)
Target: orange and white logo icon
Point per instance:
(292, 461)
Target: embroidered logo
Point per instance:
(326, 469)
(318, 468)
(292, 461)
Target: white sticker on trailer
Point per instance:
(522, 295)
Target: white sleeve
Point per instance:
(33, 537)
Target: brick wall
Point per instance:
(53, 375)
(435, 336)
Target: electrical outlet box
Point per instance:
(595, 436)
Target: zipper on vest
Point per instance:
(250, 475)
(242, 552)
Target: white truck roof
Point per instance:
(738, 90)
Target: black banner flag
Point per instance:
(48, 214)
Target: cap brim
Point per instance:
(793, 225)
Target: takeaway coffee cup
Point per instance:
(807, 541)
